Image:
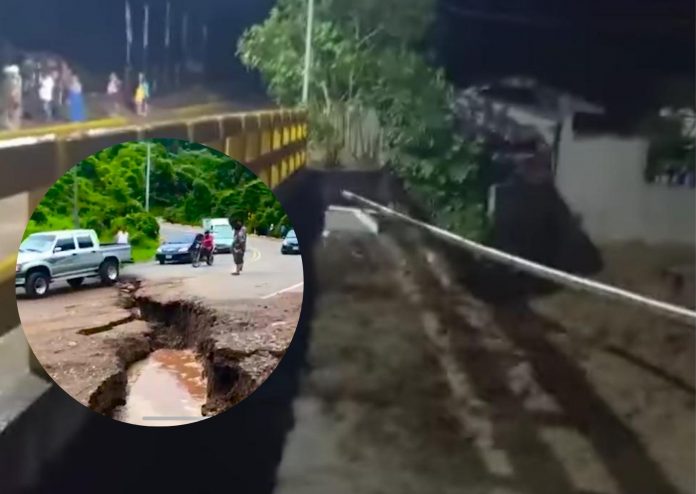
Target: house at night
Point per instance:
(622, 184)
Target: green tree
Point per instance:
(188, 182)
(367, 54)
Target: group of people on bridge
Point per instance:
(59, 92)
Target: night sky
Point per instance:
(614, 51)
(617, 50)
(91, 33)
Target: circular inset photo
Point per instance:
(159, 283)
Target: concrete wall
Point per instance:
(601, 179)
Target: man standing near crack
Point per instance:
(239, 247)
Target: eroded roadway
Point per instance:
(401, 380)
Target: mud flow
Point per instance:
(165, 389)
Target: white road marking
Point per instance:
(270, 295)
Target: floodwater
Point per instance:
(165, 389)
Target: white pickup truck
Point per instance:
(67, 255)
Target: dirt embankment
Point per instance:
(88, 344)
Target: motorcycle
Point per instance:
(198, 253)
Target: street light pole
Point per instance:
(129, 42)
(147, 179)
(76, 216)
(308, 51)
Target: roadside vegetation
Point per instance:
(188, 182)
(368, 57)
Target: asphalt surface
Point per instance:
(266, 271)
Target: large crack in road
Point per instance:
(238, 344)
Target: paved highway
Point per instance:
(266, 271)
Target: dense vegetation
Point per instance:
(188, 182)
(368, 55)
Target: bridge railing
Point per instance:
(273, 144)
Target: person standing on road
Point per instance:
(113, 90)
(139, 98)
(239, 247)
(122, 236)
(76, 101)
(142, 96)
(208, 243)
(12, 97)
(146, 92)
(46, 88)
(64, 79)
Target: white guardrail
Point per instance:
(676, 312)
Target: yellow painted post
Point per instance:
(293, 138)
(298, 133)
(277, 171)
(235, 145)
(220, 143)
(265, 146)
(283, 138)
(250, 129)
(304, 134)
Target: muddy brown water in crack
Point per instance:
(165, 389)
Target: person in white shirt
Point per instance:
(46, 88)
(122, 236)
(113, 91)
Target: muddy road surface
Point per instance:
(169, 344)
(402, 378)
(266, 271)
(447, 392)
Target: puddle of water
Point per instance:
(165, 389)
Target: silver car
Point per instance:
(67, 255)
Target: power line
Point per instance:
(544, 22)
(611, 23)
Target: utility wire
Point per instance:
(610, 23)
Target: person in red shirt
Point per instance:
(208, 244)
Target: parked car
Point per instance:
(222, 233)
(290, 244)
(177, 248)
(67, 255)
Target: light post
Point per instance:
(308, 51)
(147, 178)
(166, 42)
(76, 215)
(129, 42)
(146, 36)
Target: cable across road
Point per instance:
(675, 312)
